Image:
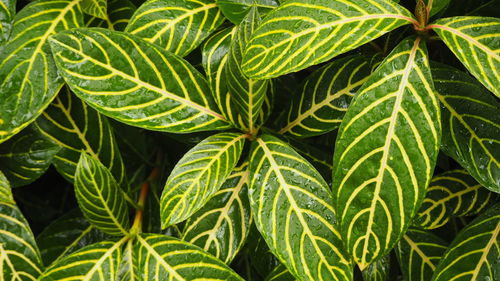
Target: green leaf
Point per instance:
(247, 94)
(167, 94)
(471, 124)
(26, 157)
(453, 193)
(29, 76)
(280, 273)
(99, 262)
(475, 41)
(378, 270)
(179, 26)
(97, 8)
(473, 254)
(198, 175)
(320, 104)
(319, 157)
(119, 14)
(418, 254)
(162, 258)
(236, 10)
(385, 153)
(19, 255)
(294, 212)
(299, 34)
(74, 126)
(436, 6)
(100, 197)
(222, 225)
(7, 12)
(65, 235)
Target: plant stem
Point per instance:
(137, 225)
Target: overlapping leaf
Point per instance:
(280, 273)
(97, 8)
(476, 43)
(294, 212)
(385, 153)
(318, 156)
(7, 12)
(119, 14)
(198, 175)
(301, 33)
(98, 262)
(471, 124)
(27, 71)
(25, 157)
(236, 10)
(379, 270)
(99, 197)
(74, 126)
(473, 254)
(162, 258)
(320, 104)
(435, 6)
(167, 94)
(19, 255)
(222, 225)
(453, 193)
(418, 254)
(179, 26)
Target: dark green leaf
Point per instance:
(97, 8)
(236, 10)
(119, 14)
(7, 12)
(280, 273)
(378, 270)
(436, 6)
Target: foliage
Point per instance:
(249, 140)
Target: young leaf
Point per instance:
(418, 254)
(435, 6)
(7, 12)
(100, 197)
(471, 124)
(473, 254)
(198, 175)
(19, 255)
(222, 225)
(247, 94)
(29, 76)
(280, 273)
(167, 94)
(74, 126)
(26, 157)
(378, 270)
(96, 8)
(475, 42)
(452, 193)
(301, 33)
(322, 101)
(294, 212)
(119, 14)
(97, 262)
(179, 26)
(236, 10)
(385, 153)
(159, 257)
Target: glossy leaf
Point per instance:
(294, 212)
(99, 197)
(19, 255)
(385, 153)
(453, 193)
(65, 235)
(198, 175)
(320, 104)
(222, 225)
(418, 254)
(475, 41)
(473, 254)
(179, 26)
(471, 124)
(167, 94)
(7, 12)
(119, 14)
(301, 33)
(280, 273)
(378, 270)
(247, 94)
(74, 126)
(162, 258)
(29, 76)
(98, 262)
(97, 8)
(26, 157)
(236, 10)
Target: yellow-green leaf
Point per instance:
(7, 12)
(119, 14)
(97, 8)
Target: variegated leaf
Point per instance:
(97, 8)
(476, 43)
(236, 10)
(280, 273)
(385, 153)
(7, 12)
(294, 212)
(198, 175)
(179, 26)
(167, 94)
(301, 33)
(119, 14)
(28, 75)
(378, 270)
